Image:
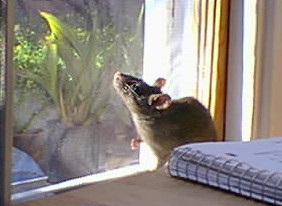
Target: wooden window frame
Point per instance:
(212, 43)
(217, 99)
(6, 130)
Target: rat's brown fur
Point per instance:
(161, 122)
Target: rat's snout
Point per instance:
(117, 80)
(117, 76)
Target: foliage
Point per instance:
(132, 44)
(75, 66)
(28, 55)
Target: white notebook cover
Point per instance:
(251, 169)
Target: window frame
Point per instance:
(6, 134)
(6, 131)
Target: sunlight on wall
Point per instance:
(249, 44)
(156, 48)
(170, 49)
(156, 62)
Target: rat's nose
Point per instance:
(117, 75)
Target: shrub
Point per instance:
(77, 67)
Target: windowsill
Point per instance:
(78, 182)
(149, 188)
(147, 162)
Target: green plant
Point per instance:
(28, 55)
(132, 44)
(77, 68)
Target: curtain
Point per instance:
(217, 99)
(189, 40)
(267, 114)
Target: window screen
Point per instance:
(68, 121)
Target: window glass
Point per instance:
(186, 43)
(181, 33)
(68, 121)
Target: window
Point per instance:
(67, 122)
(244, 47)
(186, 42)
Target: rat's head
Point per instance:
(140, 97)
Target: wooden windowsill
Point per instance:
(148, 188)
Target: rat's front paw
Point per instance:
(135, 142)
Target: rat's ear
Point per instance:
(160, 82)
(159, 101)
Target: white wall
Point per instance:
(268, 104)
(233, 130)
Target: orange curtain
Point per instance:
(212, 57)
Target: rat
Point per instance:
(163, 123)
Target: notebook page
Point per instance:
(264, 154)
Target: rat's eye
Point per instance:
(135, 87)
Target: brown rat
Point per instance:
(161, 122)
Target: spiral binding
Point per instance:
(265, 185)
(228, 176)
(279, 183)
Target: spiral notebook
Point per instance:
(252, 169)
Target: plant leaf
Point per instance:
(62, 31)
